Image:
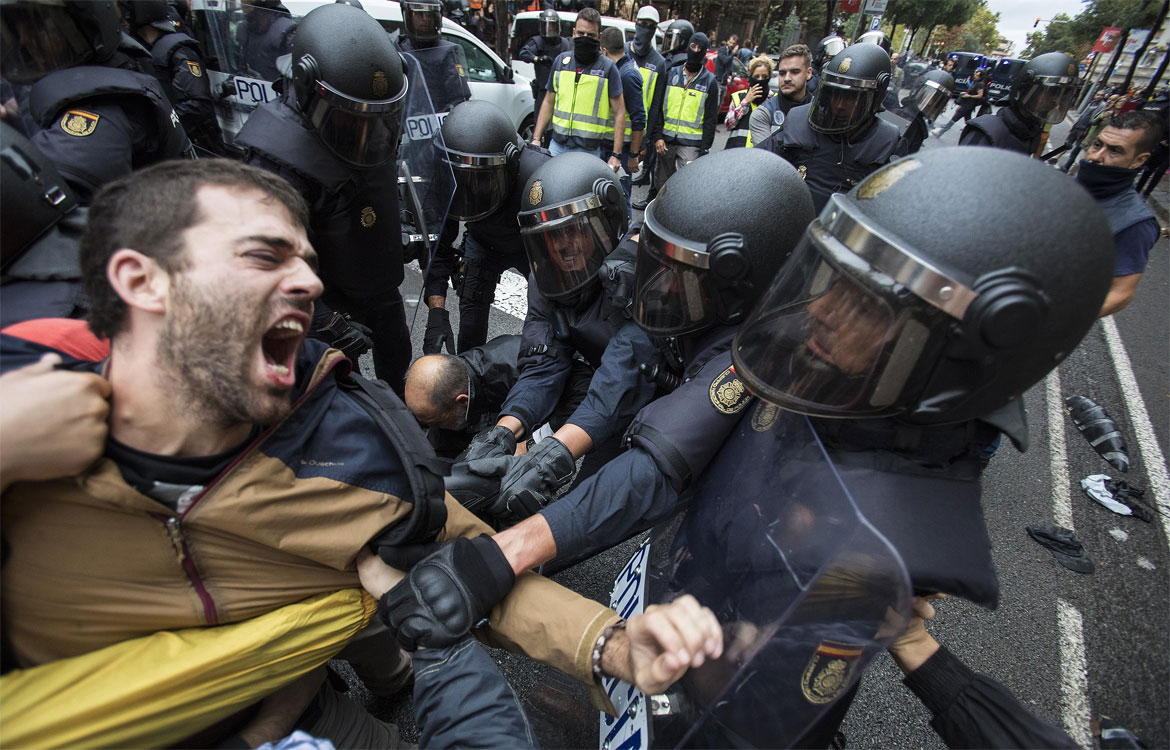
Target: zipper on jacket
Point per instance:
(175, 533)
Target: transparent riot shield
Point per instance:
(241, 45)
(807, 591)
(426, 182)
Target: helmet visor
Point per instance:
(422, 20)
(671, 296)
(481, 185)
(1048, 101)
(550, 26)
(931, 99)
(839, 107)
(831, 48)
(567, 252)
(361, 140)
(824, 342)
(36, 40)
(674, 38)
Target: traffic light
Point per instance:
(1037, 22)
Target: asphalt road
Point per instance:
(1071, 647)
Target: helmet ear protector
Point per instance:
(305, 74)
(730, 276)
(613, 202)
(883, 83)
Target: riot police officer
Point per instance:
(920, 108)
(572, 222)
(825, 50)
(837, 139)
(678, 36)
(265, 35)
(91, 112)
(908, 348)
(542, 50)
(332, 136)
(1042, 93)
(491, 166)
(177, 63)
(875, 36)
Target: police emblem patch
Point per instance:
(829, 672)
(728, 393)
(764, 416)
(368, 217)
(565, 59)
(459, 71)
(79, 122)
(844, 66)
(884, 178)
(380, 85)
(535, 193)
(195, 69)
(803, 172)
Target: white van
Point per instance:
(527, 25)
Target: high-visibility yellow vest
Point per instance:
(581, 107)
(651, 67)
(685, 106)
(743, 127)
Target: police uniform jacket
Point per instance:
(538, 46)
(442, 68)
(770, 116)
(178, 66)
(600, 330)
(259, 50)
(93, 562)
(689, 111)
(832, 164)
(652, 67)
(1004, 129)
(100, 123)
(354, 221)
(581, 116)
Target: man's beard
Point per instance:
(210, 351)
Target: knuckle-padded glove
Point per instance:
(492, 442)
(447, 593)
(438, 332)
(346, 335)
(534, 478)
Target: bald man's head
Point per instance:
(437, 391)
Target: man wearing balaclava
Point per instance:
(1108, 170)
(686, 128)
(586, 108)
(652, 66)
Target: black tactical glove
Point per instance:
(495, 441)
(447, 593)
(532, 480)
(349, 336)
(438, 332)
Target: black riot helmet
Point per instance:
(355, 3)
(139, 13)
(33, 194)
(826, 49)
(853, 85)
(678, 35)
(350, 83)
(550, 24)
(1045, 87)
(573, 212)
(422, 20)
(878, 313)
(876, 36)
(714, 237)
(41, 36)
(483, 150)
(932, 96)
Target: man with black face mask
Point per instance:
(652, 66)
(541, 50)
(684, 128)
(795, 69)
(746, 102)
(1108, 170)
(586, 109)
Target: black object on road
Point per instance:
(1063, 545)
(1099, 429)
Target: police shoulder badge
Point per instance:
(79, 122)
(844, 66)
(803, 170)
(459, 71)
(728, 393)
(830, 671)
(380, 85)
(368, 217)
(565, 59)
(194, 68)
(764, 416)
(535, 193)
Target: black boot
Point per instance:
(641, 205)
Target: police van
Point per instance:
(488, 77)
(966, 63)
(999, 83)
(527, 25)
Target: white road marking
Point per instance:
(1144, 563)
(1058, 452)
(1074, 678)
(1157, 477)
(512, 295)
(1118, 534)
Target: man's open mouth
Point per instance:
(279, 347)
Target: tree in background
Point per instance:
(978, 34)
(1077, 35)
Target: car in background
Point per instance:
(527, 25)
(738, 78)
(966, 63)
